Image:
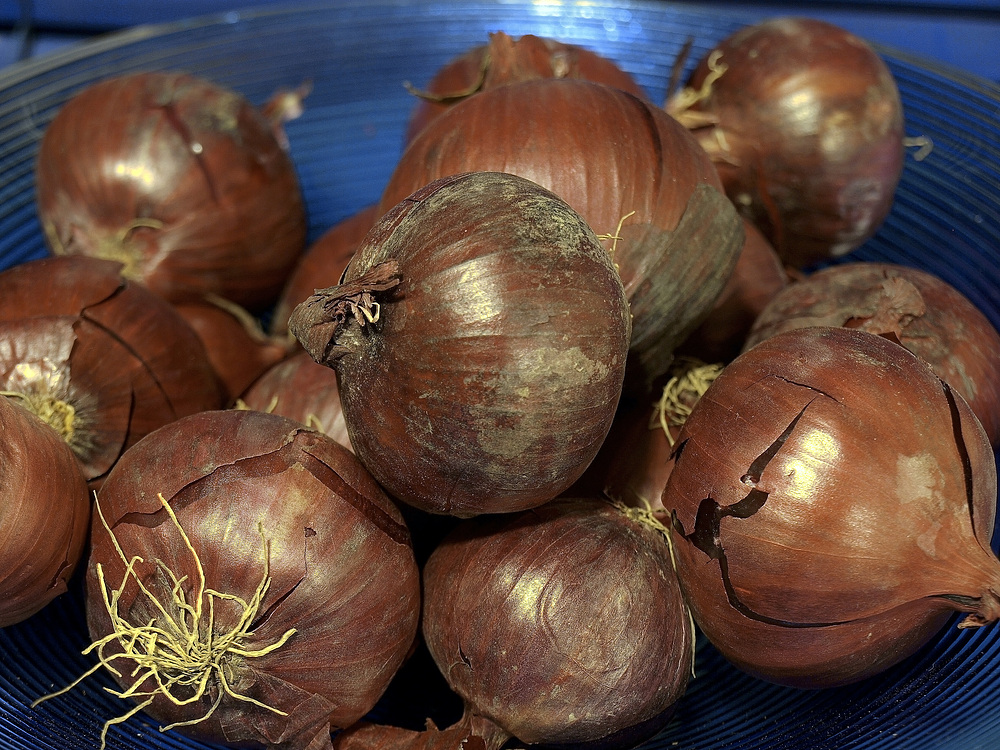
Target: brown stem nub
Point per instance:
(319, 321)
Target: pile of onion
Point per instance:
(832, 503)
(101, 359)
(179, 179)
(249, 583)
(480, 338)
(803, 120)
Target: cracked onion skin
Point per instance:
(341, 566)
(44, 513)
(832, 505)
(180, 179)
(480, 337)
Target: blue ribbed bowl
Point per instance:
(946, 220)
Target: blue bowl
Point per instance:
(946, 219)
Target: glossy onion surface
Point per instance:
(833, 504)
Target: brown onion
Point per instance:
(804, 122)
(44, 513)
(631, 171)
(916, 309)
(277, 577)
(832, 503)
(100, 358)
(303, 390)
(505, 60)
(479, 338)
(181, 180)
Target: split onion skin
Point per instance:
(608, 154)
(573, 594)
(850, 519)
(915, 308)
(491, 376)
(341, 566)
(807, 134)
(180, 179)
(44, 513)
(504, 60)
(122, 359)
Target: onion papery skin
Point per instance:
(341, 567)
(303, 390)
(180, 179)
(491, 376)
(44, 513)
(916, 309)
(607, 154)
(833, 503)
(322, 265)
(504, 60)
(120, 358)
(573, 595)
(807, 134)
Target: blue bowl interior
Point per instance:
(946, 219)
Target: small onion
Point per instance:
(805, 125)
(249, 582)
(100, 358)
(479, 338)
(179, 179)
(44, 513)
(915, 308)
(832, 503)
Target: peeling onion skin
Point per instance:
(573, 594)
(341, 566)
(179, 178)
(44, 513)
(845, 496)
(121, 358)
(606, 153)
(504, 60)
(491, 376)
(808, 134)
(917, 309)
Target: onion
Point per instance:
(44, 513)
(249, 583)
(632, 172)
(805, 124)
(102, 359)
(303, 390)
(832, 502)
(322, 265)
(479, 338)
(916, 309)
(181, 180)
(507, 60)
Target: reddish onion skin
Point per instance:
(484, 373)
(44, 513)
(573, 594)
(341, 566)
(807, 134)
(504, 60)
(833, 503)
(915, 308)
(607, 154)
(180, 179)
(303, 390)
(322, 265)
(118, 360)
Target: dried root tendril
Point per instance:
(922, 143)
(689, 382)
(58, 414)
(180, 653)
(679, 105)
(614, 237)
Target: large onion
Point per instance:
(832, 503)
(181, 180)
(479, 337)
